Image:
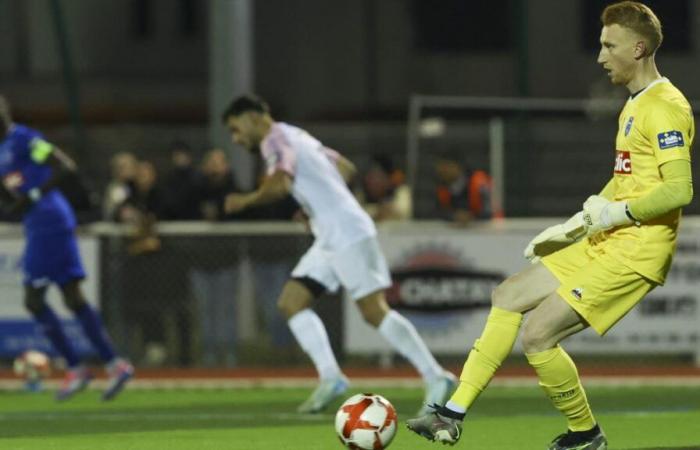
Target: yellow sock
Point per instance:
(489, 351)
(559, 379)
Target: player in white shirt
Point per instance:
(345, 251)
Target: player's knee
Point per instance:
(536, 338)
(289, 305)
(74, 302)
(297, 295)
(73, 296)
(502, 295)
(373, 316)
(373, 308)
(34, 301)
(285, 307)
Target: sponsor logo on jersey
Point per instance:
(13, 180)
(623, 163)
(578, 293)
(670, 139)
(628, 127)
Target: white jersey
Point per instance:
(337, 219)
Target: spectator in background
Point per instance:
(384, 194)
(146, 196)
(272, 264)
(162, 313)
(147, 310)
(142, 208)
(85, 201)
(214, 283)
(463, 195)
(180, 190)
(217, 182)
(123, 166)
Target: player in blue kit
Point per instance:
(30, 169)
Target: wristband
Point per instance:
(630, 216)
(34, 194)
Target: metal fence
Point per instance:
(207, 295)
(200, 294)
(204, 294)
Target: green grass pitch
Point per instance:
(634, 418)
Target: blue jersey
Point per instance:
(23, 153)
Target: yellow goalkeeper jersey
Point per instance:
(655, 126)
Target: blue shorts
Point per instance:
(52, 258)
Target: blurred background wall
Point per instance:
(100, 77)
(321, 59)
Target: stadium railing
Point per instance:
(204, 294)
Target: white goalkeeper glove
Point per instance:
(556, 237)
(601, 214)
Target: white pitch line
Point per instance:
(105, 416)
(359, 383)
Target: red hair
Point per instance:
(639, 18)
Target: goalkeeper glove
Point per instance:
(556, 237)
(601, 214)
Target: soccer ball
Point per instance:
(366, 422)
(33, 366)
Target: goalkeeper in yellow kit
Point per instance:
(616, 250)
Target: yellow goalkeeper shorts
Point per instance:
(595, 284)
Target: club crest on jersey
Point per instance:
(670, 139)
(623, 163)
(628, 127)
(578, 293)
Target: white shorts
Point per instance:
(360, 268)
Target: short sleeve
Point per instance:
(670, 130)
(332, 155)
(279, 154)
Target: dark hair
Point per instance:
(384, 162)
(245, 103)
(179, 144)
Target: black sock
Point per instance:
(446, 412)
(588, 433)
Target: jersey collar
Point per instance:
(649, 86)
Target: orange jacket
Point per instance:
(476, 196)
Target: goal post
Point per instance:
(430, 117)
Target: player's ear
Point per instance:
(640, 50)
(255, 117)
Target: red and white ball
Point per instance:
(366, 422)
